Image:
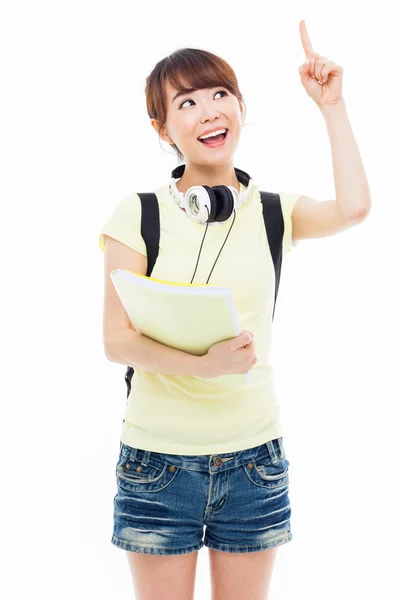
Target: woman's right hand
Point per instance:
(236, 355)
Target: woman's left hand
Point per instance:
(322, 79)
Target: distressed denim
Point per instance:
(166, 502)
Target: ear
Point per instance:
(162, 132)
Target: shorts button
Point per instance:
(171, 468)
(138, 469)
(250, 465)
(127, 466)
(218, 461)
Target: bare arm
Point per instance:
(122, 343)
(136, 350)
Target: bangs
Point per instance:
(195, 72)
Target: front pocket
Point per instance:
(133, 475)
(135, 470)
(263, 473)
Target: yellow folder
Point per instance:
(188, 317)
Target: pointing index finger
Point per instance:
(305, 40)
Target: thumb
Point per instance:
(304, 70)
(242, 340)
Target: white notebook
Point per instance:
(188, 317)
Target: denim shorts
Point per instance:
(164, 501)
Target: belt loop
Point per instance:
(271, 451)
(146, 456)
(281, 446)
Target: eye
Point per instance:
(219, 92)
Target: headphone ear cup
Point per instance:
(213, 202)
(200, 203)
(225, 202)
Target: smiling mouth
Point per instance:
(214, 141)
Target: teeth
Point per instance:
(213, 134)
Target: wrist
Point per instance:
(333, 109)
(203, 366)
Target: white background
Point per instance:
(75, 140)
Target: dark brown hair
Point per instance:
(187, 69)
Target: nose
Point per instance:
(210, 114)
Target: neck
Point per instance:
(206, 175)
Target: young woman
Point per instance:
(195, 454)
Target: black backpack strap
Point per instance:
(150, 230)
(275, 227)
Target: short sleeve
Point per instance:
(288, 201)
(124, 224)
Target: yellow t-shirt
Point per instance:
(190, 415)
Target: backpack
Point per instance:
(150, 230)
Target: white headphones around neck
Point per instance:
(207, 204)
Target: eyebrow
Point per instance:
(182, 94)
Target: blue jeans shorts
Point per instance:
(164, 501)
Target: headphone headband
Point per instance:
(241, 175)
